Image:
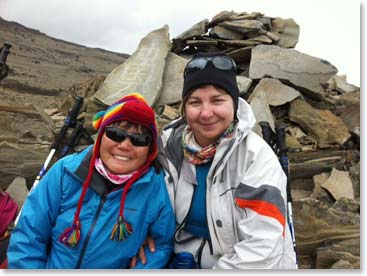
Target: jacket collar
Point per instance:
(246, 118)
(98, 181)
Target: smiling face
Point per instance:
(209, 111)
(123, 157)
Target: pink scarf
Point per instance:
(117, 179)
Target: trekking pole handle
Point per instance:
(75, 110)
(5, 50)
(75, 136)
(70, 120)
(267, 132)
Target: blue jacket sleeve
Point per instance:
(161, 230)
(31, 236)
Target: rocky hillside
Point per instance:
(42, 67)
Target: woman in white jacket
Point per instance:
(226, 185)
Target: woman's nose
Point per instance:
(207, 111)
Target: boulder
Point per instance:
(301, 70)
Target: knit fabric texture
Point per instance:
(225, 79)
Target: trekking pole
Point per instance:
(69, 121)
(284, 162)
(74, 139)
(85, 134)
(278, 140)
(78, 133)
(268, 134)
(4, 52)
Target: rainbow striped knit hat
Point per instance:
(132, 108)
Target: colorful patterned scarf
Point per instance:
(194, 153)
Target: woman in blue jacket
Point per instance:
(94, 209)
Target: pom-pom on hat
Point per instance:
(132, 108)
(225, 79)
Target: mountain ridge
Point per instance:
(43, 68)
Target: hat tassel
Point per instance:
(121, 230)
(71, 236)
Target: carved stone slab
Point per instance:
(142, 72)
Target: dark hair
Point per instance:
(157, 165)
(139, 127)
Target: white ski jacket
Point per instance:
(245, 200)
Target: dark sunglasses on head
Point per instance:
(220, 62)
(137, 139)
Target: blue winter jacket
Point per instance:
(50, 208)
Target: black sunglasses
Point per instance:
(137, 139)
(220, 62)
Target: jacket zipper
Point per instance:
(183, 222)
(200, 252)
(81, 256)
(225, 153)
(201, 247)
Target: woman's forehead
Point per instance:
(207, 90)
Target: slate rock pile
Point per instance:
(236, 34)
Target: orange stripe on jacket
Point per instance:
(263, 208)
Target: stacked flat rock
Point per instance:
(236, 34)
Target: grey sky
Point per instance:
(330, 29)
